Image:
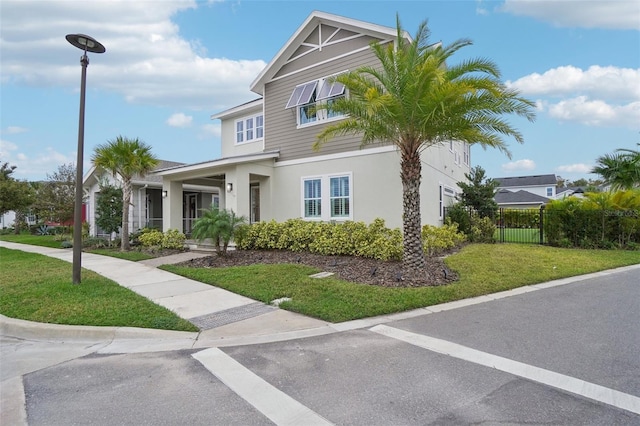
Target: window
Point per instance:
(440, 201)
(467, 154)
(249, 129)
(314, 100)
(550, 192)
(339, 197)
(312, 198)
(330, 190)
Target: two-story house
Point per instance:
(526, 191)
(268, 169)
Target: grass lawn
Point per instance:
(35, 240)
(519, 235)
(45, 294)
(483, 269)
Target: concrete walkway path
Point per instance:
(217, 312)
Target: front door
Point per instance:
(191, 207)
(255, 202)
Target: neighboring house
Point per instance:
(268, 169)
(8, 219)
(525, 192)
(147, 199)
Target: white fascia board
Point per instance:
(218, 163)
(238, 110)
(337, 156)
(89, 173)
(309, 25)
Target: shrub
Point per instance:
(173, 239)
(66, 244)
(483, 230)
(437, 240)
(151, 238)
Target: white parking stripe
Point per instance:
(560, 381)
(279, 407)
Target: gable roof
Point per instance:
(536, 180)
(519, 197)
(299, 44)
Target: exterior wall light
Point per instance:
(229, 187)
(164, 194)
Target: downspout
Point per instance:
(140, 205)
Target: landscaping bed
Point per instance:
(348, 268)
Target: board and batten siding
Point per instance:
(281, 124)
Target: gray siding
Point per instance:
(280, 123)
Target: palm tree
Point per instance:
(219, 225)
(621, 170)
(416, 100)
(126, 158)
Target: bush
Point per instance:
(437, 240)
(66, 244)
(151, 238)
(173, 239)
(483, 230)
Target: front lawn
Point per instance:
(34, 240)
(45, 294)
(483, 269)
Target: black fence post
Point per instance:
(541, 224)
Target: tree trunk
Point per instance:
(410, 174)
(126, 202)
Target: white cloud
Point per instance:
(515, 166)
(604, 82)
(12, 130)
(146, 60)
(574, 168)
(596, 112)
(210, 130)
(33, 168)
(598, 96)
(180, 120)
(611, 14)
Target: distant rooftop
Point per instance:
(535, 180)
(507, 197)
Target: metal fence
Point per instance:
(585, 228)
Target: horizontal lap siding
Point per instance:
(280, 123)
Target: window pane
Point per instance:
(239, 131)
(302, 94)
(249, 129)
(339, 196)
(259, 126)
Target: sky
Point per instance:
(170, 65)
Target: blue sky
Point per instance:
(170, 65)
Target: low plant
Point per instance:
(438, 239)
(151, 238)
(173, 240)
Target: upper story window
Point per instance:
(550, 191)
(249, 129)
(313, 100)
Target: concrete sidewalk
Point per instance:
(220, 314)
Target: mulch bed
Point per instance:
(348, 268)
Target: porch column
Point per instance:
(238, 199)
(172, 205)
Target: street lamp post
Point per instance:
(86, 44)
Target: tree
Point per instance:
(219, 225)
(416, 100)
(15, 195)
(109, 208)
(621, 169)
(479, 193)
(125, 158)
(56, 196)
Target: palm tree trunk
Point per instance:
(126, 202)
(410, 174)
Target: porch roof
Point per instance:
(228, 161)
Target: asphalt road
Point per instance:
(563, 355)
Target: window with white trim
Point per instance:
(313, 101)
(328, 190)
(312, 198)
(467, 154)
(440, 201)
(250, 129)
(550, 191)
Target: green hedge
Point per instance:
(348, 238)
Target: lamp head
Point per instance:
(86, 43)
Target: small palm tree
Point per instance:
(218, 225)
(621, 170)
(415, 100)
(126, 158)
